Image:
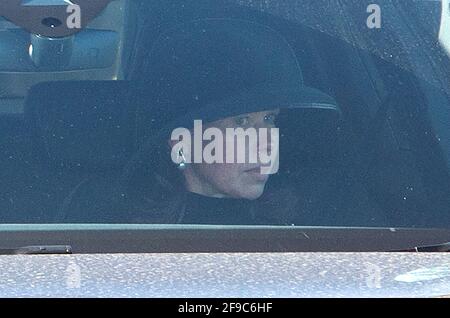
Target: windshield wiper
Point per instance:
(37, 250)
(444, 247)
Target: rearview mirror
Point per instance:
(21, 51)
(38, 35)
(51, 18)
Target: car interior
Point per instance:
(66, 136)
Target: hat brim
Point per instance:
(305, 100)
(258, 100)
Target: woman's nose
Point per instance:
(266, 143)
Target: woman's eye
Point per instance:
(270, 118)
(242, 121)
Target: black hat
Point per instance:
(211, 69)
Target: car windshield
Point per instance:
(237, 112)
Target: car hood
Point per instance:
(226, 275)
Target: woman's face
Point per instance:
(235, 180)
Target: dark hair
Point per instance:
(151, 186)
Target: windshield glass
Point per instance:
(239, 112)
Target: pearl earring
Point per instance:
(182, 165)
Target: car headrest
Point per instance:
(311, 138)
(82, 124)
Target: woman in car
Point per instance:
(228, 74)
